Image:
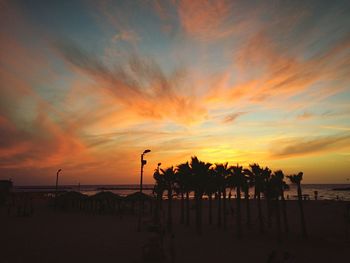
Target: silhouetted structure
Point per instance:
(5, 188)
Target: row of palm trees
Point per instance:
(206, 179)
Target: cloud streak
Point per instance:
(140, 85)
(298, 147)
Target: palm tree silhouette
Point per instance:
(281, 187)
(182, 171)
(222, 173)
(238, 181)
(256, 171)
(218, 182)
(200, 171)
(296, 179)
(273, 191)
(268, 192)
(169, 178)
(210, 189)
(184, 176)
(247, 183)
(158, 189)
(204, 179)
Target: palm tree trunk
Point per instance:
(224, 207)
(284, 212)
(219, 208)
(261, 220)
(182, 215)
(157, 210)
(187, 208)
(170, 210)
(268, 207)
(238, 213)
(161, 201)
(255, 193)
(300, 202)
(278, 218)
(198, 214)
(246, 197)
(210, 209)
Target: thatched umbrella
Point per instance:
(71, 200)
(136, 197)
(105, 201)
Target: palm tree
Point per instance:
(247, 183)
(200, 171)
(218, 186)
(281, 187)
(266, 174)
(158, 189)
(296, 179)
(210, 189)
(259, 186)
(222, 172)
(169, 178)
(184, 174)
(273, 186)
(238, 179)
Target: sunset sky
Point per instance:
(86, 86)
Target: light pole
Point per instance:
(56, 188)
(158, 165)
(143, 162)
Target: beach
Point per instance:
(50, 235)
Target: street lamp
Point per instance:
(57, 179)
(56, 189)
(143, 162)
(159, 164)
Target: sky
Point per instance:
(87, 86)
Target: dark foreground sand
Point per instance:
(56, 236)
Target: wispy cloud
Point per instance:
(305, 115)
(140, 85)
(298, 147)
(233, 117)
(206, 20)
(128, 36)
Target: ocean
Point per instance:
(325, 191)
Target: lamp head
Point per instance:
(159, 164)
(146, 151)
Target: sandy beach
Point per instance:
(78, 236)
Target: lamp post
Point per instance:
(56, 188)
(143, 162)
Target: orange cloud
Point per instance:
(207, 19)
(265, 71)
(140, 85)
(296, 147)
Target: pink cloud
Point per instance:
(205, 20)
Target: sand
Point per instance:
(58, 236)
